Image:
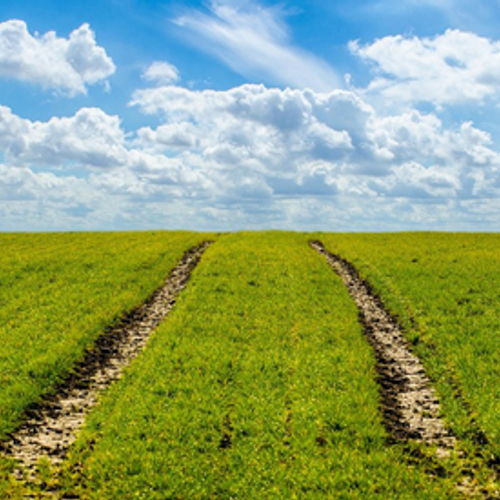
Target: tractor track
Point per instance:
(410, 406)
(52, 425)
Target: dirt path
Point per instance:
(53, 425)
(410, 406)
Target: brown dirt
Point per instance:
(52, 426)
(410, 405)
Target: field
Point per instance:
(260, 383)
(445, 288)
(57, 294)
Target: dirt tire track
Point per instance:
(52, 425)
(410, 406)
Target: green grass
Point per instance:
(57, 294)
(446, 290)
(259, 385)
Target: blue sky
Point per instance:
(243, 114)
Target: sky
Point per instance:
(227, 115)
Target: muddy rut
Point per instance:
(410, 406)
(52, 426)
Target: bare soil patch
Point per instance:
(52, 425)
(410, 406)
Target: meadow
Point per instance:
(260, 384)
(58, 292)
(445, 290)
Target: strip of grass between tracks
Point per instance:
(259, 385)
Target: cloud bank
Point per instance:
(252, 156)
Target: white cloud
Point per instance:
(451, 68)
(176, 136)
(22, 183)
(334, 145)
(162, 73)
(250, 156)
(67, 65)
(91, 138)
(267, 126)
(253, 41)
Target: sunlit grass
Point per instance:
(259, 385)
(446, 290)
(57, 294)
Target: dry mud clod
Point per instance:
(52, 426)
(411, 408)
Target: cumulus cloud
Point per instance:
(67, 65)
(23, 184)
(254, 42)
(264, 127)
(90, 138)
(177, 136)
(162, 73)
(302, 142)
(451, 68)
(261, 142)
(234, 158)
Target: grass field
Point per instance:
(57, 294)
(446, 290)
(259, 385)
